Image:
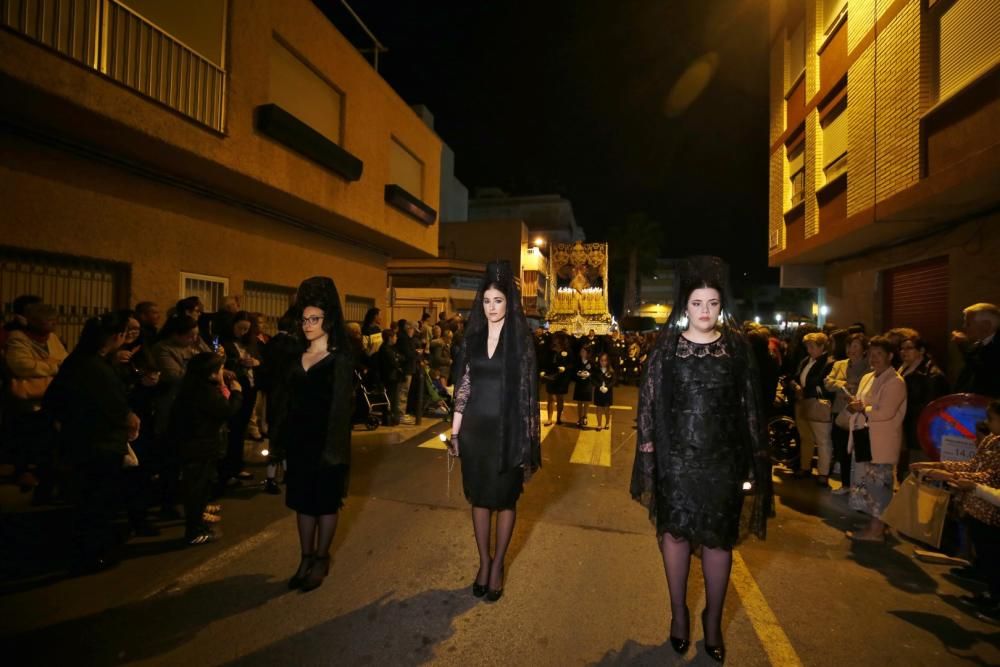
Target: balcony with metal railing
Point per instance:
(109, 37)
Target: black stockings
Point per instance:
(316, 533)
(716, 564)
(491, 566)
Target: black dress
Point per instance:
(313, 487)
(700, 494)
(558, 380)
(583, 382)
(479, 448)
(603, 378)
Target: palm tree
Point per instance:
(635, 246)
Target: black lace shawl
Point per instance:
(521, 436)
(655, 400)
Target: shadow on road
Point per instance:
(950, 633)
(395, 632)
(147, 628)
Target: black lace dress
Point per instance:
(700, 491)
(479, 399)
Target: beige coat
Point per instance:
(27, 359)
(885, 406)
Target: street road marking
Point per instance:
(593, 448)
(201, 572)
(435, 442)
(779, 649)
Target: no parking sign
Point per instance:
(947, 426)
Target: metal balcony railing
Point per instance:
(107, 36)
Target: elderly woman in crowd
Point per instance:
(843, 382)
(809, 388)
(924, 382)
(981, 515)
(33, 356)
(876, 438)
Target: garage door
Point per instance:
(916, 296)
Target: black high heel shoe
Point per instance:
(680, 645)
(492, 595)
(300, 575)
(717, 653)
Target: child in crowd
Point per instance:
(604, 382)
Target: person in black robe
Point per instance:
(556, 373)
(701, 444)
(313, 399)
(495, 427)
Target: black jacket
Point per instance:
(923, 385)
(981, 374)
(408, 353)
(197, 418)
(390, 365)
(89, 400)
(814, 386)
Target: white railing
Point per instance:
(109, 37)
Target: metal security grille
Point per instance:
(210, 289)
(78, 288)
(916, 296)
(355, 307)
(269, 300)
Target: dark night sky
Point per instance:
(576, 97)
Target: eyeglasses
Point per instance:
(312, 321)
(907, 347)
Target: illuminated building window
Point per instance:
(796, 52)
(835, 142)
(797, 173)
(832, 11)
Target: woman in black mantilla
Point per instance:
(312, 401)
(700, 439)
(495, 428)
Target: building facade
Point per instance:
(656, 291)
(885, 157)
(149, 151)
(548, 217)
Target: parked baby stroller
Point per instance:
(782, 433)
(371, 406)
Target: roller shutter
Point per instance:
(916, 296)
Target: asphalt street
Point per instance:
(584, 585)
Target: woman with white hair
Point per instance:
(981, 374)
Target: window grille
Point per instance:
(210, 289)
(271, 301)
(355, 307)
(78, 288)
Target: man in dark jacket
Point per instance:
(390, 368)
(924, 383)
(981, 374)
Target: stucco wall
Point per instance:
(59, 203)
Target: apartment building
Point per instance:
(152, 150)
(885, 157)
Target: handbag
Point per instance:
(862, 445)
(29, 389)
(918, 511)
(819, 410)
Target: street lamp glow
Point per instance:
(756, 319)
(264, 452)
(539, 242)
(777, 317)
(824, 310)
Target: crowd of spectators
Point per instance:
(152, 409)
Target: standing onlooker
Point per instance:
(809, 389)
(876, 437)
(924, 382)
(179, 342)
(408, 363)
(843, 382)
(440, 358)
(242, 357)
(88, 401)
(372, 323)
(148, 315)
(19, 321)
(205, 402)
(390, 369)
(33, 356)
(281, 347)
(981, 374)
